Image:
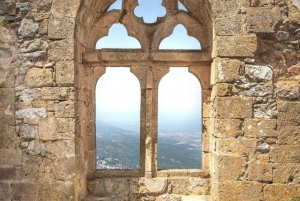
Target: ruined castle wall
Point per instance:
(252, 117)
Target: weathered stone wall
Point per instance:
(252, 119)
(255, 131)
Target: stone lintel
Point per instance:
(108, 55)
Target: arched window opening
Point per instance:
(179, 121)
(150, 10)
(118, 38)
(182, 7)
(180, 40)
(118, 120)
(116, 6)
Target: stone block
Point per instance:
(228, 26)
(287, 173)
(32, 45)
(117, 186)
(60, 190)
(261, 172)
(61, 50)
(229, 168)
(29, 94)
(236, 146)
(58, 93)
(288, 113)
(257, 128)
(37, 77)
(280, 192)
(289, 154)
(7, 78)
(226, 128)
(233, 107)
(65, 125)
(61, 148)
(64, 73)
(7, 97)
(153, 185)
(226, 70)
(28, 132)
(64, 109)
(225, 8)
(8, 173)
(38, 55)
(10, 157)
(7, 116)
(235, 46)
(66, 8)
(237, 191)
(7, 136)
(31, 113)
(222, 89)
(199, 185)
(61, 27)
(289, 135)
(65, 169)
(262, 19)
(28, 28)
(48, 129)
(258, 73)
(5, 189)
(260, 90)
(288, 90)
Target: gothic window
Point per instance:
(155, 50)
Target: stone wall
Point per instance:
(251, 119)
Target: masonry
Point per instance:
(249, 69)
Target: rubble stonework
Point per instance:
(249, 69)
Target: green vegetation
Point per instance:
(186, 194)
(5, 22)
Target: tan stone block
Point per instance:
(257, 128)
(287, 173)
(289, 154)
(236, 146)
(61, 50)
(280, 192)
(10, 157)
(238, 191)
(64, 73)
(65, 125)
(5, 190)
(229, 25)
(61, 148)
(235, 46)
(229, 168)
(48, 129)
(289, 135)
(56, 190)
(7, 97)
(222, 89)
(117, 185)
(65, 169)
(206, 109)
(225, 128)
(61, 27)
(226, 70)
(8, 137)
(260, 3)
(155, 185)
(38, 77)
(24, 191)
(64, 109)
(7, 77)
(262, 19)
(58, 93)
(233, 107)
(259, 172)
(67, 8)
(225, 8)
(288, 113)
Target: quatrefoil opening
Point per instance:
(150, 10)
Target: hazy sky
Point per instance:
(118, 90)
